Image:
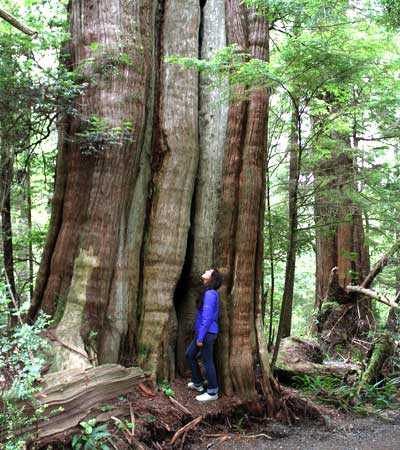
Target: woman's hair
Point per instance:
(214, 283)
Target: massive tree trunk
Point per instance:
(340, 243)
(90, 270)
(212, 125)
(139, 214)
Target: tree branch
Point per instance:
(379, 266)
(17, 24)
(369, 293)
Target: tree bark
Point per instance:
(213, 112)
(285, 322)
(6, 165)
(340, 238)
(89, 279)
(133, 220)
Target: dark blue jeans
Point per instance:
(207, 355)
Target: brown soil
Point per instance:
(225, 425)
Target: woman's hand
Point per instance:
(199, 344)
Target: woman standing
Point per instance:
(206, 327)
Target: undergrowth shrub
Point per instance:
(21, 361)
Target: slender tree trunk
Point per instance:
(285, 322)
(6, 165)
(29, 222)
(271, 290)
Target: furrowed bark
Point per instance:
(87, 279)
(212, 129)
(239, 220)
(169, 222)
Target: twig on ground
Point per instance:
(221, 439)
(132, 419)
(255, 436)
(189, 426)
(180, 406)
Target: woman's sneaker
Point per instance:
(206, 397)
(195, 387)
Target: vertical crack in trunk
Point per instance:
(205, 203)
(166, 240)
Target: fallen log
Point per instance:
(382, 349)
(78, 392)
(298, 358)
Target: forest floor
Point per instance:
(225, 426)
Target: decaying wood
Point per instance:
(16, 23)
(180, 406)
(383, 348)
(189, 426)
(299, 358)
(79, 391)
(372, 294)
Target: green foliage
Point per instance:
(92, 436)
(168, 391)
(362, 399)
(97, 133)
(21, 360)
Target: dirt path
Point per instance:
(347, 434)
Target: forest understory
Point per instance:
(170, 418)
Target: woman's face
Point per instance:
(207, 275)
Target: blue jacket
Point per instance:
(207, 317)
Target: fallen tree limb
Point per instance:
(380, 265)
(189, 426)
(180, 406)
(372, 294)
(16, 23)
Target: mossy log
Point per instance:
(72, 396)
(383, 348)
(299, 357)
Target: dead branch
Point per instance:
(189, 426)
(16, 23)
(180, 406)
(220, 440)
(372, 294)
(379, 266)
(256, 436)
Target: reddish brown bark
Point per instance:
(239, 222)
(97, 175)
(99, 275)
(339, 229)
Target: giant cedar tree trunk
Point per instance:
(134, 223)
(340, 242)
